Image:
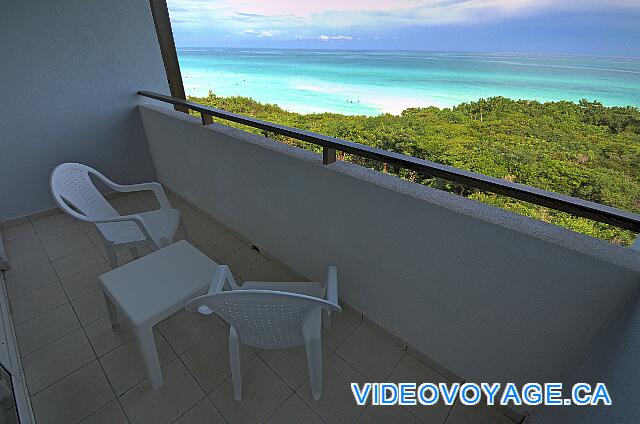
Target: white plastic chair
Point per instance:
(75, 193)
(271, 316)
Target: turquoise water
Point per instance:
(374, 82)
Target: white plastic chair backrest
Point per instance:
(72, 185)
(264, 319)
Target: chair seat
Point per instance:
(161, 224)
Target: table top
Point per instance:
(150, 288)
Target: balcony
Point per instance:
(478, 293)
(435, 287)
(77, 369)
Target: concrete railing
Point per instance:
(488, 294)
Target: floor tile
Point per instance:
(14, 221)
(205, 232)
(176, 396)
(290, 364)
(243, 260)
(21, 244)
(429, 362)
(124, 255)
(356, 350)
(388, 415)
(90, 307)
(77, 262)
(37, 302)
(132, 207)
(103, 338)
(336, 406)
(32, 279)
(109, 414)
(17, 231)
(56, 360)
(55, 234)
(148, 197)
(85, 281)
(342, 325)
(268, 271)
(257, 403)
(73, 398)
(124, 200)
(222, 244)
(56, 338)
(184, 329)
(9, 415)
(516, 416)
(52, 221)
(410, 370)
(175, 199)
(193, 218)
(65, 247)
(294, 410)
(479, 414)
(124, 366)
(202, 413)
(26, 260)
(7, 410)
(95, 236)
(209, 361)
(87, 226)
(46, 328)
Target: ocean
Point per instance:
(374, 82)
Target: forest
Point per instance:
(586, 150)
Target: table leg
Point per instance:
(147, 346)
(113, 311)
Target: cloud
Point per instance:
(334, 37)
(258, 33)
(313, 20)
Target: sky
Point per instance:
(589, 27)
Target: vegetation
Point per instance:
(584, 150)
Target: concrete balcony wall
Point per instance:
(70, 72)
(613, 359)
(489, 294)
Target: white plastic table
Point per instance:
(151, 288)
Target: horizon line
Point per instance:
(534, 53)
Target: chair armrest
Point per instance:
(135, 218)
(223, 278)
(332, 285)
(152, 186)
(223, 275)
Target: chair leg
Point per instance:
(113, 311)
(313, 347)
(148, 351)
(111, 254)
(326, 320)
(234, 361)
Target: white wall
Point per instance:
(489, 294)
(613, 360)
(69, 73)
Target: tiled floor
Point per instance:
(79, 370)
